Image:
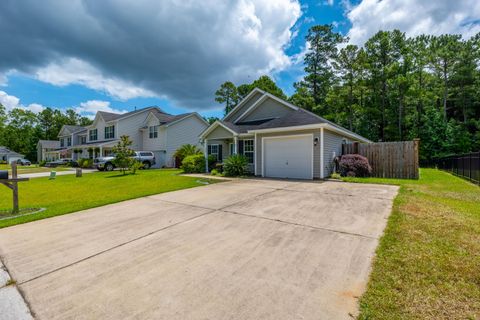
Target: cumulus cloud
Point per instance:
(11, 102)
(413, 17)
(179, 50)
(91, 107)
(75, 71)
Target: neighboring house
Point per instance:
(9, 156)
(279, 139)
(47, 150)
(150, 129)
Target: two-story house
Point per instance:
(150, 129)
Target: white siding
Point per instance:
(154, 144)
(131, 127)
(185, 131)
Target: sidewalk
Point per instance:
(12, 305)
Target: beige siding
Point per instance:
(183, 132)
(316, 149)
(333, 147)
(225, 146)
(219, 133)
(236, 113)
(268, 109)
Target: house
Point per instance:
(279, 139)
(9, 156)
(47, 150)
(150, 129)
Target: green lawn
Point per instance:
(428, 261)
(68, 194)
(34, 168)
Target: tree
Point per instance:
(264, 83)
(123, 154)
(323, 43)
(227, 94)
(211, 120)
(444, 56)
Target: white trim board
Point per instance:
(287, 136)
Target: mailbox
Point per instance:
(3, 174)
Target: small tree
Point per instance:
(123, 154)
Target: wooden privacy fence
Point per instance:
(388, 159)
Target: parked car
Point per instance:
(147, 158)
(23, 162)
(62, 162)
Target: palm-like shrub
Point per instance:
(185, 151)
(235, 165)
(354, 165)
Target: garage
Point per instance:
(288, 156)
(159, 159)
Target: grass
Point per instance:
(34, 168)
(427, 265)
(68, 194)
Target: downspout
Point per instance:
(322, 175)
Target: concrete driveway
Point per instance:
(244, 249)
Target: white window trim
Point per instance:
(109, 128)
(151, 134)
(286, 136)
(90, 136)
(253, 151)
(218, 149)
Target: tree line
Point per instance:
(21, 129)
(392, 88)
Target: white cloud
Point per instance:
(178, 50)
(91, 107)
(413, 17)
(11, 102)
(76, 71)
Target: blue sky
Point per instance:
(127, 56)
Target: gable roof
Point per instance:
(74, 128)
(50, 144)
(295, 119)
(241, 103)
(5, 150)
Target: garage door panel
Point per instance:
(288, 157)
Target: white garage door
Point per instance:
(288, 157)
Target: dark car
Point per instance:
(23, 162)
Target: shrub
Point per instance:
(194, 164)
(85, 163)
(235, 165)
(354, 165)
(214, 172)
(185, 151)
(134, 166)
(42, 163)
(212, 162)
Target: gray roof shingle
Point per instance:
(50, 144)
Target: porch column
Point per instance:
(101, 151)
(235, 145)
(205, 150)
(322, 167)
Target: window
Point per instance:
(83, 139)
(62, 142)
(214, 149)
(93, 134)
(232, 149)
(248, 150)
(69, 141)
(110, 132)
(153, 132)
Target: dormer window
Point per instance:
(62, 143)
(93, 135)
(69, 141)
(110, 132)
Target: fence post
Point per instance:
(416, 147)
